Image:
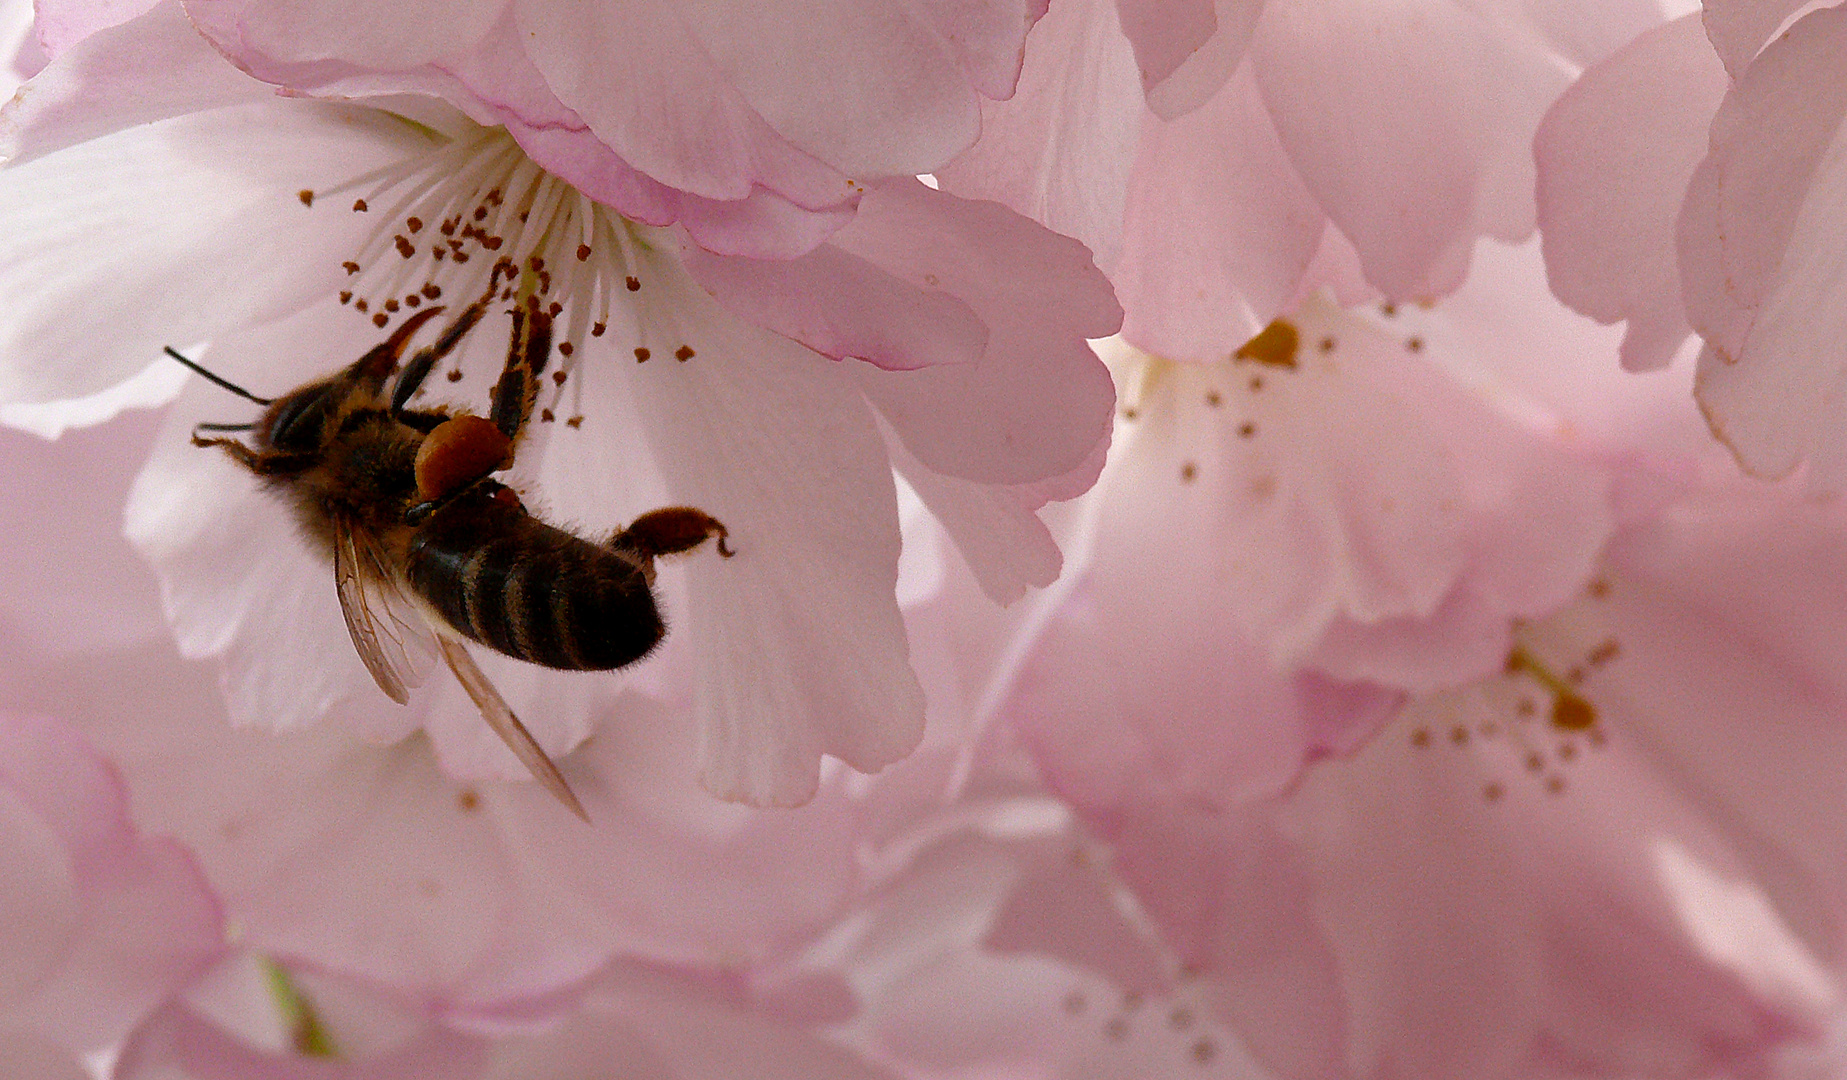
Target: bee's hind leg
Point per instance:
(670, 531)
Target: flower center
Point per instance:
(445, 219)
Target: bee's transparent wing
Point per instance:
(499, 717)
(391, 637)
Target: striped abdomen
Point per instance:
(537, 593)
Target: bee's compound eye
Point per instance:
(294, 423)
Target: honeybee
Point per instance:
(425, 544)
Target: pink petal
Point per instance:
(1757, 253)
(1410, 123)
(186, 229)
(1186, 50)
(898, 99)
(138, 921)
(181, 1043)
(370, 35)
(1615, 154)
(155, 67)
(63, 23)
(29, 1057)
(645, 84)
(1037, 403)
(1739, 28)
(1059, 151)
(1002, 540)
(1217, 232)
(88, 591)
(842, 306)
(771, 439)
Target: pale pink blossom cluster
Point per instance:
(1203, 596)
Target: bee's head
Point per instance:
(296, 423)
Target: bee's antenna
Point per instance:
(226, 383)
(223, 427)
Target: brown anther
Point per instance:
(559, 376)
(361, 305)
(1130, 413)
(1275, 345)
(306, 195)
(634, 284)
(575, 421)
(466, 800)
(380, 319)
(1188, 471)
(1459, 735)
(1388, 309)
(684, 353)
(412, 300)
(1213, 399)
(1246, 430)
(492, 243)
(598, 329)
(439, 254)
(346, 296)
(494, 196)
(391, 305)
(455, 376)
(1415, 344)
(448, 227)
(1420, 737)
(480, 213)
(359, 206)
(545, 281)
(1327, 344)
(554, 309)
(461, 256)
(565, 348)
(1555, 785)
(1256, 382)
(350, 267)
(583, 252)
(1492, 791)
(536, 263)
(414, 224)
(642, 354)
(431, 291)
(545, 416)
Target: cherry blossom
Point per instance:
(1471, 892)
(109, 922)
(1400, 131)
(681, 380)
(1718, 217)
